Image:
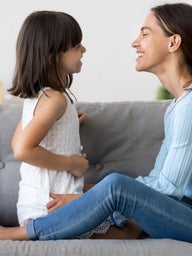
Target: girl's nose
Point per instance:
(83, 49)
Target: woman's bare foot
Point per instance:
(129, 231)
(13, 233)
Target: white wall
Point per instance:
(109, 27)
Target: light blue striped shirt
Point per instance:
(172, 173)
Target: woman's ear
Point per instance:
(175, 42)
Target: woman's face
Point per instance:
(152, 47)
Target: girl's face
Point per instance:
(70, 61)
(152, 47)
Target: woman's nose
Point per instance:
(135, 43)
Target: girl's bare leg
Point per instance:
(13, 233)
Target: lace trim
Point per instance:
(101, 229)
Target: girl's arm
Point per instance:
(26, 141)
(16, 134)
(82, 117)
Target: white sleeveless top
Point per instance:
(36, 184)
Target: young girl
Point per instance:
(158, 202)
(49, 51)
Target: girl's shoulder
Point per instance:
(51, 94)
(52, 101)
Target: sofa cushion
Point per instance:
(9, 168)
(91, 247)
(123, 136)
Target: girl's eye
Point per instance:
(77, 46)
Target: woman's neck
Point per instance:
(176, 85)
(174, 76)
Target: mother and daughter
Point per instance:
(51, 203)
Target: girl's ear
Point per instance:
(175, 42)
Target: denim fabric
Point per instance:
(159, 215)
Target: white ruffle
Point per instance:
(101, 229)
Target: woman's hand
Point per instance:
(60, 200)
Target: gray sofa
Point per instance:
(124, 136)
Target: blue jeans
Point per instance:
(159, 215)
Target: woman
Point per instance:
(155, 202)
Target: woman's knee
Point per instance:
(115, 179)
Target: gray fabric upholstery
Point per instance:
(118, 136)
(147, 247)
(9, 168)
(122, 135)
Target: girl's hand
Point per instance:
(82, 117)
(78, 165)
(60, 200)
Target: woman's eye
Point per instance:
(144, 33)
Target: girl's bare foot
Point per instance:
(13, 233)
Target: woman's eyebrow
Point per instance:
(145, 27)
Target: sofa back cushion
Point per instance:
(9, 168)
(122, 136)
